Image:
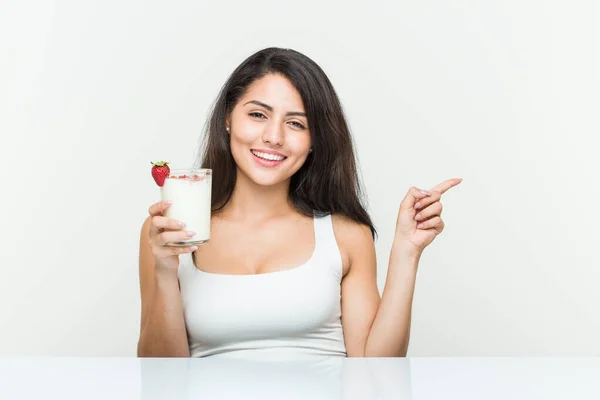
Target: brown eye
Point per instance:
(297, 124)
(256, 115)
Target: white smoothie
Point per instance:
(190, 193)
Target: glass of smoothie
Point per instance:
(190, 193)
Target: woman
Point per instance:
(290, 268)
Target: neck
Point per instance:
(250, 201)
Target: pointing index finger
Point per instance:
(446, 185)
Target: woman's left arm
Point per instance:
(375, 327)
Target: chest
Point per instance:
(246, 249)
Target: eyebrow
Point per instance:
(268, 107)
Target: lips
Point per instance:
(268, 155)
(268, 159)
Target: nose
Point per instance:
(273, 134)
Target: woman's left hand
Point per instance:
(419, 219)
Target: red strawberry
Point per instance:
(160, 171)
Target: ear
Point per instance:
(228, 123)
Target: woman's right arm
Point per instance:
(162, 329)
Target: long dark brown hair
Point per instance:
(328, 182)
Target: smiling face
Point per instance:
(269, 133)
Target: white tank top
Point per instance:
(282, 314)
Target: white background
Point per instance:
(504, 94)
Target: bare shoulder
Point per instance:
(354, 239)
(350, 230)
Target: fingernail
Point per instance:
(417, 205)
(420, 226)
(190, 233)
(180, 224)
(424, 192)
(194, 248)
(417, 217)
(168, 202)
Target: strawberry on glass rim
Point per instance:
(160, 172)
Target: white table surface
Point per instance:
(331, 379)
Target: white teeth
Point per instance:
(270, 157)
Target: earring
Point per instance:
(227, 129)
(310, 151)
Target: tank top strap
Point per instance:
(326, 245)
(324, 236)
